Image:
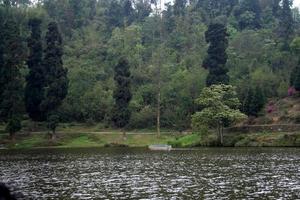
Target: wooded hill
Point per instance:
(165, 52)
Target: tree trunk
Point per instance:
(222, 134)
(124, 135)
(12, 136)
(219, 132)
(53, 135)
(159, 73)
(158, 107)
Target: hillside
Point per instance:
(284, 111)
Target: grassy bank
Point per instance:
(76, 135)
(263, 139)
(70, 140)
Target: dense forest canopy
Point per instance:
(164, 49)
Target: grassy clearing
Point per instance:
(72, 140)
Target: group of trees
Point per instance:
(46, 82)
(128, 61)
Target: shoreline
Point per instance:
(114, 139)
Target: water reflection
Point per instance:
(141, 174)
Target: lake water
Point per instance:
(141, 174)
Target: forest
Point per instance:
(136, 64)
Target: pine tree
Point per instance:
(247, 102)
(179, 7)
(254, 101)
(34, 91)
(128, 13)
(2, 46)
(11, 108)
(259, 100)
(216, 59)
(56, 85)
(122, 94)
(286, 24)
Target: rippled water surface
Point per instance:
(141, 174)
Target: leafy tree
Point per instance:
(216, 59)
(248, 14)
(11, 107)
(56, 86)
(114, 15)
(168, 19)
(286, 24)
(122, 94)
(143, 10)
(214, 9)
(34, 91)
(219, 105)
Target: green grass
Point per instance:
(192, 140)
(36, 140)
(267, 139)
(71, 138)
(81, 141)
(263, 139)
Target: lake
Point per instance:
(209, 173)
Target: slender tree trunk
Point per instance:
(159, 73)
(12, 136)
(124, 135)
(158, 104)
(219, 132)
(53, 135)
(222, 134)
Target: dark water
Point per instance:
(141, 174)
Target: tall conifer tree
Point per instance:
(56, 86)
(216, 59)
(34, 91)
(2, 80)
(11, 107)
(122, 94)
(286, 24)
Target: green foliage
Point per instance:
(295, 45)
(219, 105)
(97, 34)
(13, 125)
(11, 103)
(286, 24)
(2, 47)
(56, 84)
(216, 59)
(34, 91)
(253, 101)
(122, 94)
(52, 122)
(295, 75)
(248, 14)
